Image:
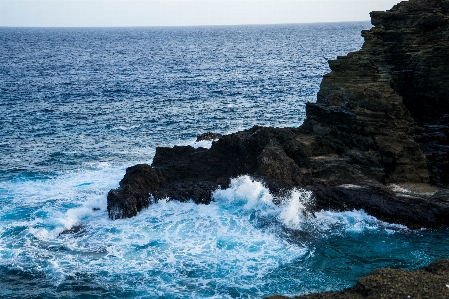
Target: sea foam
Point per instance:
(229, 248)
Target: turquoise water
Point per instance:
(78, 106)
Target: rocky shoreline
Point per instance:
(429, 282)
(376, 139)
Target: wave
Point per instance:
(292, 211)
(229, 248)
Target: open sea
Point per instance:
(78, 106)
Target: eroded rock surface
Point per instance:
(377, 138)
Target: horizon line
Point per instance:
(199, 25)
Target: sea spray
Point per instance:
(240, 245)
(294, 208)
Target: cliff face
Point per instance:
(377, 138)
(395, 94)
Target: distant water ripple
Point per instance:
(72, 96)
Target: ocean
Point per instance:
(79, 105)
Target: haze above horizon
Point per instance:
(121, 13)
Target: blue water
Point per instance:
(78, 106)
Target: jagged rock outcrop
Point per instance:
(377, 138)
(208, 136)
(429, 282)
(394, 93)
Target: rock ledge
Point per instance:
(376, 139)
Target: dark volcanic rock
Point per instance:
(185, 173)
(376, 139)
(395, 92)
(208, 136)
(75, 230)
(430, 282)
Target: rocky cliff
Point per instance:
(376, 139)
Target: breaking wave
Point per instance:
(60, 236)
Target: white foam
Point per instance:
(202, 143)
(65, 200)
(176, 237)
(125, 128)
(293, 209)
(244, 189)
(169, 248)
(41, 234)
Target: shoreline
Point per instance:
(428, 282)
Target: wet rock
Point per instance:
(376, 139)
(429, 282)
(74, 230)
(208, 136)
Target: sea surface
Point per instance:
(78, 106)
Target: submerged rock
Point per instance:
(74, 230)
(376, 139)
(428, 282)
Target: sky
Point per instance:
(120, 13)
